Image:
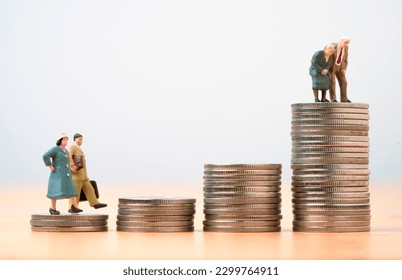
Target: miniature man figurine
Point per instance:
(338, 70)
(80, 176)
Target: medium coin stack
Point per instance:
(330, 157)
(242, 197)
(69, 223)
(156, 214)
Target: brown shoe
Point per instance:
(54, 211)
(99, 205)
(74, 209)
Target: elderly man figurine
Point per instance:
(319, 71)
(338, 70)
(80, 175)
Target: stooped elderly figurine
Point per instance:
(61, 185)
(338, 69)
(319, 71)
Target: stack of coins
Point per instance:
(330, 156)
(156, 214)
(69, 223)
(242, 197)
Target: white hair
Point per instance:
(329, 46)
(346, 38)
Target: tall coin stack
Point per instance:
(156, 214)
(242, 197)
(330, 156)
(69, 222)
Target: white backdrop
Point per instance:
(159, 88)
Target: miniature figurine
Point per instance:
(338, 69)
(80, 177)
(319, 71)
(60, 184)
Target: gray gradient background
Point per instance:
(159, 88)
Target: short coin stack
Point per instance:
(156, 214)
(242, 197)
(69, 223)
(330, 156)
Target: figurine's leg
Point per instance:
(53, 203)
(324, 95)
(342, 85)
(315, 92)
(332, 87)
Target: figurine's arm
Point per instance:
(48, 158)
(316, 65)
(71, 153)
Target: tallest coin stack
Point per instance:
(330, 156)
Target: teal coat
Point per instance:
(61, 184)
(318, 64)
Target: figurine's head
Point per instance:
(78, 139)
(329, 49)
(62, 140)
(344, 41)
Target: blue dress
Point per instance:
(318, 64)
(61, 184)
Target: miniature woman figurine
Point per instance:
(60, 184)
(319, 71)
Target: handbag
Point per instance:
(83, 197)
(78, 162)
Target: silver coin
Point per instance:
(330, 223)
(237, 223)
(157, 206)
(126, 211)
(330, 200)
(331, 195)
(330, 207)
(242, 229)
(242, 183)
(239, 207)
(329, 160)
(240, 194)
(242, 217)
(243, 200)
(231, 189)
(314, 116)
(328, 144)
(68, 223)
(329, 166)
(69, 229)
(324, 127)
(296, 121)
(330, 105)
(335, 212)
(243, 172)
(330, 184)
(330, 155)
(331, 138)
(155, 218)
(154, 229)
(238, 212)
(332, 229)
(242, 166)
(330, 150)
(331, 172)
(331, 218)
(329, 189)
(318, 132)
(155, 223)
(213, 178)
(333, 111)
(69, 217)
(319, 178)
(157, 200)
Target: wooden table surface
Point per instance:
(383, 242)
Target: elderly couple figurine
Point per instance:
(328, 64)
(66, 179)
